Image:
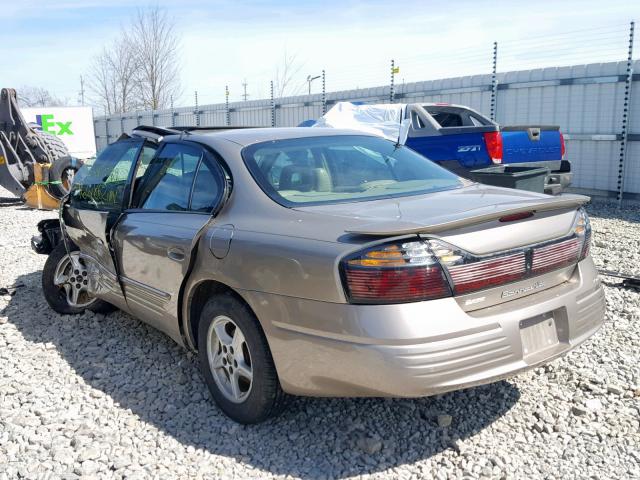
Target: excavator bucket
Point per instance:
(37, 195)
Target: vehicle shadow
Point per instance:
(144, 371)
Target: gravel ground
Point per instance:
(106, 396)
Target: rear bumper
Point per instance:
(424, 348)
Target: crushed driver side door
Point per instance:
(94, 206)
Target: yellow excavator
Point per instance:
(35, 166)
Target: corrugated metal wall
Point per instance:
(585, 100)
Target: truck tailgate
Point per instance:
(526, 144)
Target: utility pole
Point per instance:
(244, 86)
(81, 91)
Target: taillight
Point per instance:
(555, 256)
(470, 274)
(488, 273)
(562, 147)
(415, 270)
(394, 273)
(582, 230)
(567, 252)
(493, 142)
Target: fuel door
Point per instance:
(220, 240)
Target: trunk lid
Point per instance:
(467, 217)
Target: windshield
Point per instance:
(333, 169)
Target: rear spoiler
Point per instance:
(470, 217)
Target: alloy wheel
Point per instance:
(72, 276)
(229, 359)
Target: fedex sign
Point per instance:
(72, 125)
(50, 126)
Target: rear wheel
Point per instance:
(65, 281)
(236, 361)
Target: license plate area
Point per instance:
(538, 333)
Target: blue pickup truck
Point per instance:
(460, 138)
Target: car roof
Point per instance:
(248, 136)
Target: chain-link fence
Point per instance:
(591, 100)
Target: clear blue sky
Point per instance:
(50, 43)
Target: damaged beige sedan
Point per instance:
(322, 262)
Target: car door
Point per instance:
(182, 189)
(100, 191)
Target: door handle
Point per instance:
(175, 253)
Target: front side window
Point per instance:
(345, 168)
(101, 185)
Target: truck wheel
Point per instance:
(63, 170)
(64, 283)
(236, 361)
(56, 147)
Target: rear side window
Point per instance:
(180, 178)
(207, 188)
(171, 175)
(101, 186)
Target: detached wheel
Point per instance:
(236, 361)
(63, 167)
(63, 170)
(64, 283)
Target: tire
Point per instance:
(264, 397)
(62, 170)
(57, 296)
(62, 164)
(56, 147)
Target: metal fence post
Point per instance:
(494, 82)
(625, 116)
(106, 126)
(173, 115)
(197, 110)
(226, 104)
(273, 107)
(393, 75)
(324, 94)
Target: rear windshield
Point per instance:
(334, 169)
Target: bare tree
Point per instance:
(140, 69)
(113, 79)
(39, 97)
(100, 82)
(285, 81)
(157, 49)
